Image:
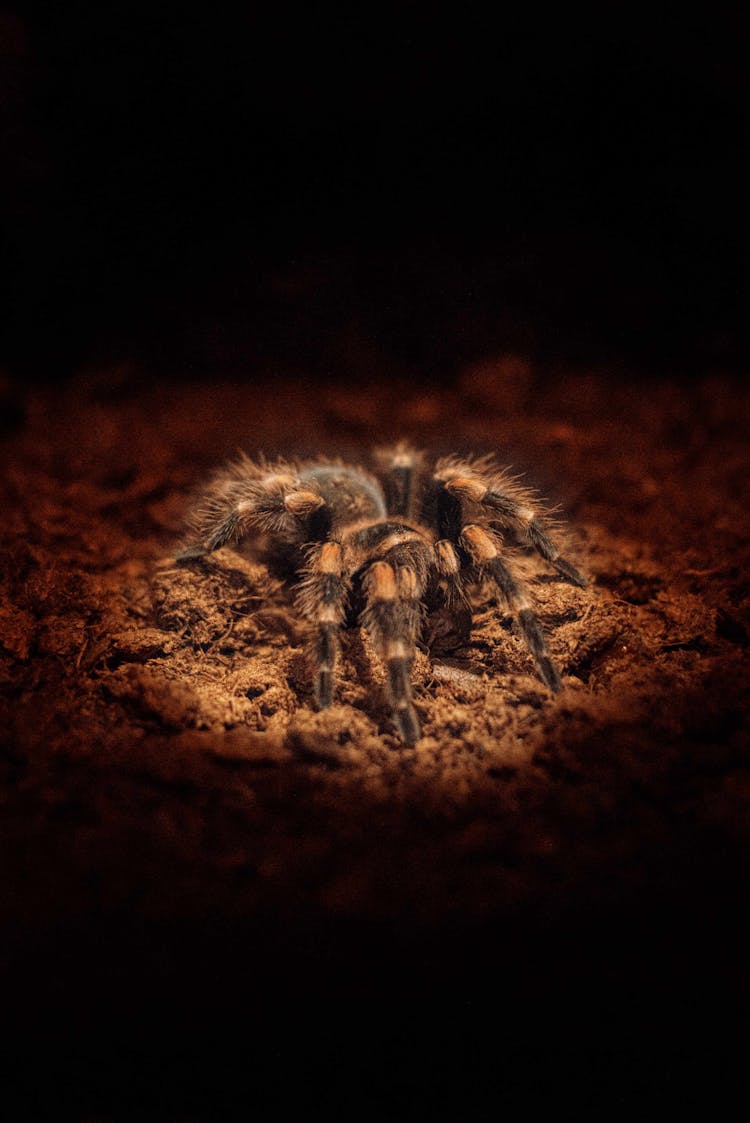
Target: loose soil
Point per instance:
(187, 841)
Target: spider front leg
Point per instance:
(482, 547)
(393, 616)
(274, 501)
(322, 598)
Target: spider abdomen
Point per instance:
(349, 493)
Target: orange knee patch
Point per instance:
(479, 543)
(465, 487)
(330, 559)
(407, 583)
(302, 502)
(382, 582)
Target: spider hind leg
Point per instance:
(401, 468)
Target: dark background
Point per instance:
(376, 192)
(381, 189)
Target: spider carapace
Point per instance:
(379, 547)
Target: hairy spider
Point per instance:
(380, 547)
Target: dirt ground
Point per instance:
(187, 841)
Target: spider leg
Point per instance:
(267, 501)
(393, 616)
(450, 627)
(482, 547)
(401, 468)
(322, 598)
(448, 568)
(515, 512)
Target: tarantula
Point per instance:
(380, 547)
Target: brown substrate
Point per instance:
(186, 841)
